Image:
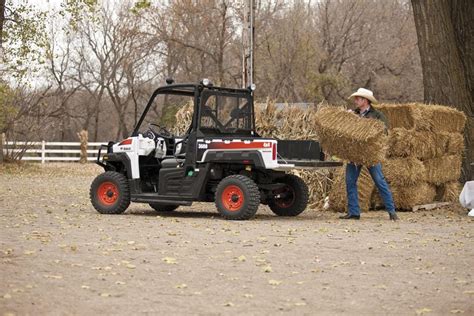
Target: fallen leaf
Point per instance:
(267, 269)
(242, 258)
(274, 282)
(423, 310)
(57, 277)
(169, 260)
(181, 286)
(130, 266)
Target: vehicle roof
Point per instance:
(191, 87)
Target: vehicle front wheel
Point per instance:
(110, 193)
(291, 199)
(237, 197)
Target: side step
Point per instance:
(154, 198)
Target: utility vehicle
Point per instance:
(221, 158)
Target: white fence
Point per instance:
(52, 151)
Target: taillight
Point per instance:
(274, 151)
(127, 141)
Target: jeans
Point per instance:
(352, 174)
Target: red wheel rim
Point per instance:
(288, 198)
(232, 198)
(107, 193)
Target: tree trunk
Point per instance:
(2, 20)
(446, 45)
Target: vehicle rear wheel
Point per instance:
(237, 197)
(292, 198)
(160, 207)
(110, 193)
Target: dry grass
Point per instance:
(287, 123)
(404, 171)
(318, 182)
(184, 117)
(443, 169)
(351, 138)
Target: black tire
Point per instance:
(295, 197)
(160, 207)
(110, 193)
(237, 197)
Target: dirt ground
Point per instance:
(59, 256)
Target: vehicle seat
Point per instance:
(171, 162)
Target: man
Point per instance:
(363, 100)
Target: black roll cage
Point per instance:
(193, 90)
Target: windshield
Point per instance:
(164, 111)
(226, 113)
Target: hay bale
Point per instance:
(416, 144)
(404, 171)
(443, 118)
(448, 192)
(443, 169)
(421, 117)
(360, 140)
(407, 116)
(406, 197)
(455, 144)
(338, 195)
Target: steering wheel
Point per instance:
(163, 132)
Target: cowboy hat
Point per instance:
(364, 93)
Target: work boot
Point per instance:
(393, 217)
(349, 216)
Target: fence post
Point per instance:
(2, 141)
(83, 138)
(43, 151)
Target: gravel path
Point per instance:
(59, 256)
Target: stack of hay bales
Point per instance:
(425, 153)
(423, 159)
